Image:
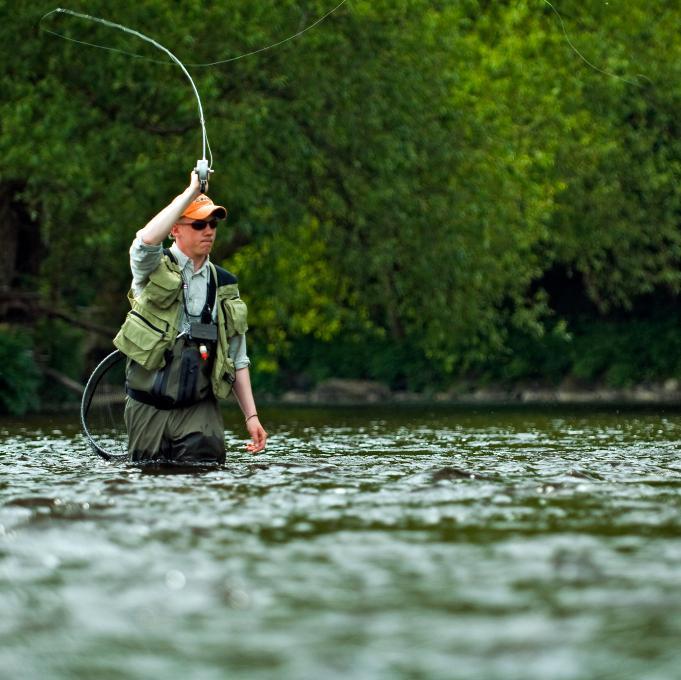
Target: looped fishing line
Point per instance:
(582, 57)
(101, 408)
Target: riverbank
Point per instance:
(343, 392)
(355, 392)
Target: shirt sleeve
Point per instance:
(144, 259)
(237, 351)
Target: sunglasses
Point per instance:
(200, 225)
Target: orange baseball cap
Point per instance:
(202, 207)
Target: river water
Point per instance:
(365, 543)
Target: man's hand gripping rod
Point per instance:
(202, 171)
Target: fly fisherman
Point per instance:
(184, 338)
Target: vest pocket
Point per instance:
(142, 341)
(236, 315)
(223, 375)
(163, 287)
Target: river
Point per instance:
(365, 543)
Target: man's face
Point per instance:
(194, 243)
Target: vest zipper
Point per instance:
(151, 325)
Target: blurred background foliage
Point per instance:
(420, 192)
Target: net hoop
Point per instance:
(102, 368)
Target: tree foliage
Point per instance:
(406, 179)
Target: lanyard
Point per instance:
(211, 293)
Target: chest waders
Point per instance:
(173, 380)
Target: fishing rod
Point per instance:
(204, 167)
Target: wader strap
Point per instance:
(161, 403)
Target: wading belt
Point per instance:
(159, 402)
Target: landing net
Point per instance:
(102, 407)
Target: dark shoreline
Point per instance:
(349, 393)
(359, 392)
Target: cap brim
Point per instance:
(206, 211)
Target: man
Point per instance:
(184, 338)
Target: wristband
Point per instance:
(255, 415)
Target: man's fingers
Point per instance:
(259, 440)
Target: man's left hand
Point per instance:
(258, 435)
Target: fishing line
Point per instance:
(273, 45)
(581, 56)
(159, 61)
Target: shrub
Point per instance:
(19, 375)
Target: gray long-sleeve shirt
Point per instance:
(144, 259)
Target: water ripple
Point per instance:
(364, 543)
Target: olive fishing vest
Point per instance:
(167, 369)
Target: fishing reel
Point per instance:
(203, 172)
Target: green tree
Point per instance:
(402, 181)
